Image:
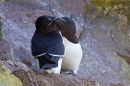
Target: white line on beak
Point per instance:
(63, 20)
(56, 17)
(49, 19)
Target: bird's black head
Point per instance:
(67, 28)
(42, 23)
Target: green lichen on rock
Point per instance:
(8, 79)
(120, 7)
(109, 2)
(1, 31)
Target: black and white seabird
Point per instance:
(47, 46)
(73, 51)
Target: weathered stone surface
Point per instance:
(103, 39)
(52, 80)
(8, 79)
(18, 26)
(5, 48)
(64, 6)
(30, 78)
(71, 8)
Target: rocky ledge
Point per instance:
(29, 77)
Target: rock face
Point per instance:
(30, 78)
(18, 26)
(8, 79)
(52, 80)
(105, 36)
(105, 41)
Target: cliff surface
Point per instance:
(102, 27)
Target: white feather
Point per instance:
(53, 70)
(72, 56)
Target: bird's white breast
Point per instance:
(72, 57)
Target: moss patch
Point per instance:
(7, 78)
(1, 31)
(120, 7)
